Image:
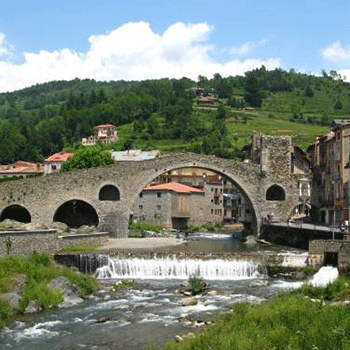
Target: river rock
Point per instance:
(178, 338)
(60, 227)
(259, 283)
(189, 302)
(183, 318)
(33, 307)
(213, 293)
(70, 291)
(85, 230)
(13, 299)
(250, 240)
(19, 283)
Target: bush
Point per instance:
(144, 226)
(197, 284)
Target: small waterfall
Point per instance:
(172, 268)
(326, 275)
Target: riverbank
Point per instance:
(35, 284)
(293, 320)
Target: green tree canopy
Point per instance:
(88, 157)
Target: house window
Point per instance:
(53, 167)
(141, 194)
(159, 194)
(140, 207)
(212, 211)
(159, 207)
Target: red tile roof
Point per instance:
(174, 187)
(21, 167)
(59, 157)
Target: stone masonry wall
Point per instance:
(24, 243)
(65, 242)
(43, 196)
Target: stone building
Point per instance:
(53, 163)
(330, 155)
(226, 199)
(176, 205)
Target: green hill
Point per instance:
(164, 114)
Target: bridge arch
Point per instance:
(236, 180)
(109, 193)
(16, 212)
(75, 213)
(275, 193)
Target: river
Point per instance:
(150, 311)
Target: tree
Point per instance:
(309, 92)
(88, 157)
(221, 112)
(338, 105)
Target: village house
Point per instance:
(102, 133)
(21, 169)
(207, 101)
(330, 154)
(226, 200)
(175, 205)
(53, 163)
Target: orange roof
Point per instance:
(174, 187)
(59, 157)
(21, 167)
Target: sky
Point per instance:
(45, 40)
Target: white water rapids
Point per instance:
(325, 275)
(172, 268)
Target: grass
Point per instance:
(285, 322)
(144, 226)
(208, 226)
(289, 321)
(81, 248)
(39, 270)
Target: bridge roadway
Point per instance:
(307, 226)
(104, 196)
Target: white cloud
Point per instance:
(336, 52)
(131, 52)
(247, 47)
(5, 47)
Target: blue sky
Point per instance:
(43, 40)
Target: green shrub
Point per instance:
(197, 284)
(144, 226)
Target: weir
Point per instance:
(173, 268)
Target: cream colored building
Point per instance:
(106, 133)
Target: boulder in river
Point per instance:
(13, 299)
(70, 291)
(189, 302)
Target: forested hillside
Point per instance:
(38, 121)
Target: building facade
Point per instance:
(53, 163)
(172, 205)
(330, 156)
(106, 134)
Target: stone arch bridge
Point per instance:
(108, 193)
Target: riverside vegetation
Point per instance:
(292, 320)
(36, 272)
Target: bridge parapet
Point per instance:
(42, 197)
